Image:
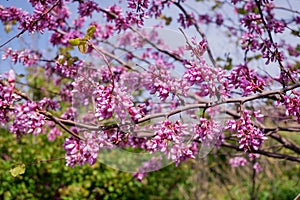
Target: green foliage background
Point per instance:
(47, 177)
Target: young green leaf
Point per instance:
(90, 31)
(83, 47)
(19, 169)
(75, 42)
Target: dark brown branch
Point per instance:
(272, 41)
(216, 103)
(265, 153)
(127, 51)
(210, 55)
(262, 95)
(116, 58)
(58, 122)
(174, 56)
(285, 142)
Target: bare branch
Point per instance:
(265, 153)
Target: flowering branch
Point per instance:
(32, 24)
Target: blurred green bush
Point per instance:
(47, 177)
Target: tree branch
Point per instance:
(265, 153)
(210, 55)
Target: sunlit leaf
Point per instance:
(7, 28)
(83, 47)
(241, 11)
(296, 33)
(218, 4)
(90, 31)
(19, 169)
(75, 42)
(168, 20)
(21, 75)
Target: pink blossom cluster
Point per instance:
(292, 104)
(67, 68)
(159, 80)
(26, 57)
(86, 8)
(169, 139)
(48, 104)
(79, 152)
(106, 76)
(138, 12)
(43, 2)
(71, 113)
(199, 49)
(249, 136)
(238, 161)
(124, 103)
(66, 92)
(208, 132)
(58, 38)
(259, 28)
(247, 80)
(186, 20)
(115, 14)
(10, 14)
(84, 151)
(241, 161)
(143, 9)
(7, 96)
(27, 120)
(212, 81)
(25, 117)
(39, 20)
(104, 102)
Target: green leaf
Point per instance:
(19, 169)
(168, 20)
(296, 33)
(21, 75)
(228, 66)
(90, 31)
(7, 28)
(217, 5)
(75, 42)
(241, 11)
(297, 48)
(83, 47)
(218, 59)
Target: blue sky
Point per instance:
(218, 43)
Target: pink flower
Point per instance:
(257, 167)
(249, 136)
(104, 102)
(292, 104)
(237, 161)
(86, 8)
